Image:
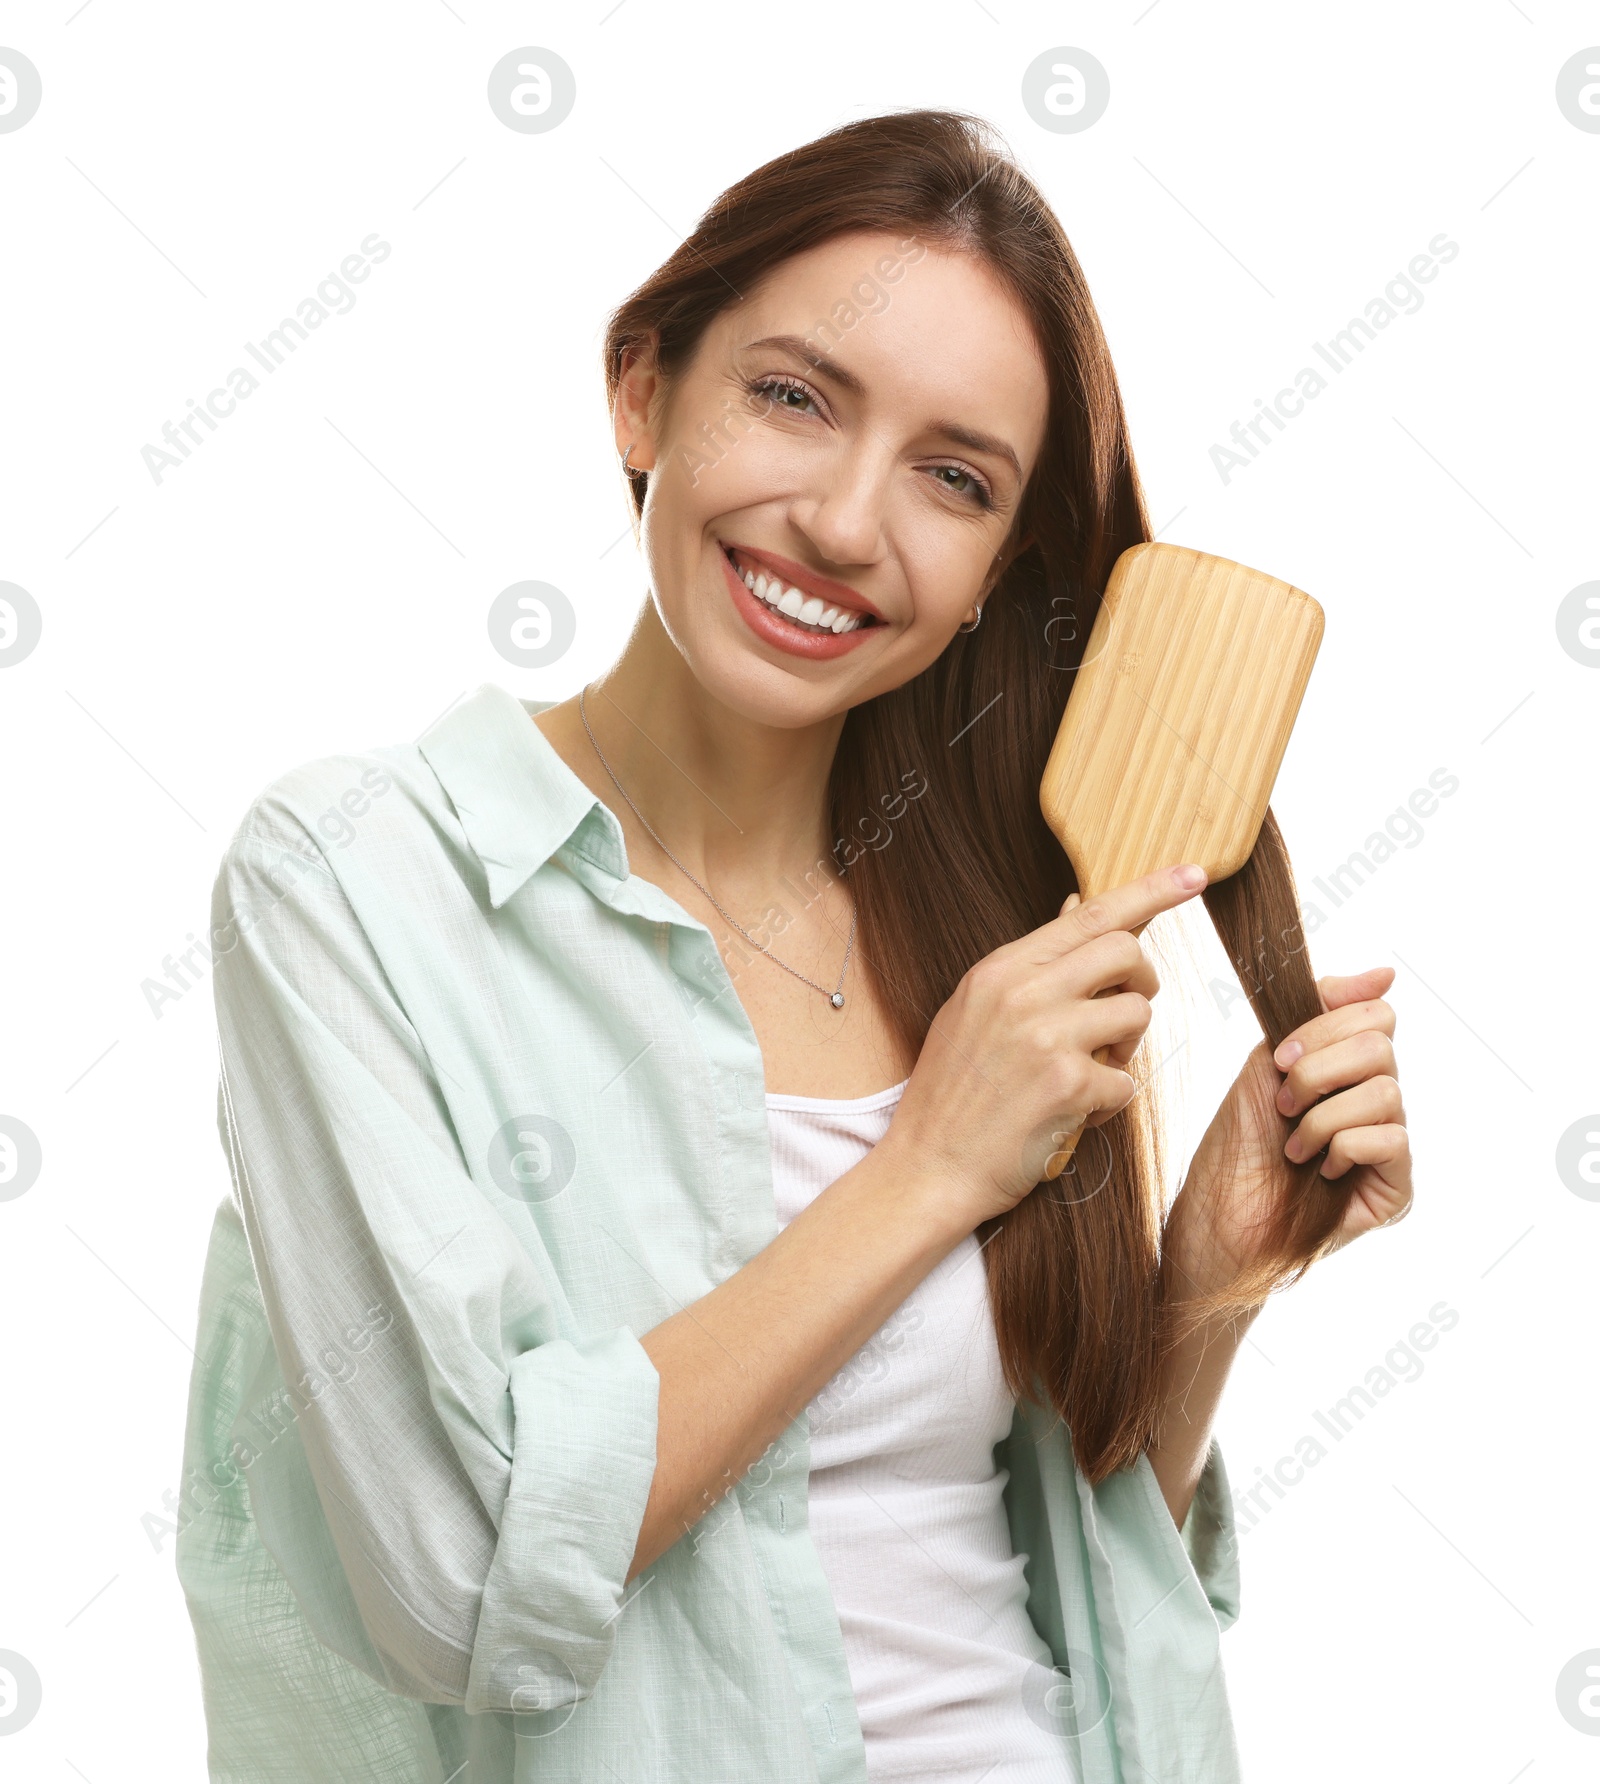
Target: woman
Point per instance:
(594, 1378)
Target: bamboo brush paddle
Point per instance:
(1176, 723)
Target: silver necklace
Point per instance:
(836, 996)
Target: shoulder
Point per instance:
(323, 802)
(317, 819)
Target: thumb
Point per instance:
(1073, 901)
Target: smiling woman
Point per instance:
(904, 442)
(753, 1407)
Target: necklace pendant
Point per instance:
(837, 1000)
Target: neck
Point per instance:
(741, 804)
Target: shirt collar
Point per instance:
(518, 801)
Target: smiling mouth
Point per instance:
(807, 613)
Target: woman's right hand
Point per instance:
(1008, 1066)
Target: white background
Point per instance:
(315, 578)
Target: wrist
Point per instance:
(924, 1190)
(1196, 1262)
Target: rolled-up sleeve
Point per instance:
(481, 1460)
(570, 1521)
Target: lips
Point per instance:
(814, 604)
(776, 614)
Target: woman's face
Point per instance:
(859, 429)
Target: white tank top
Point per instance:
(906, 1509)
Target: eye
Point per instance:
(973, 486)
(780, 389)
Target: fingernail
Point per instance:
(1191, 876)
(1288, 1052)
(1286, 1100)
(1293, 1148)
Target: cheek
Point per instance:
(944, 573)
(727, 450)
(702, 486)
(675, 540)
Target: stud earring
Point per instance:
(972, 624)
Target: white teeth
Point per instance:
(805, 610)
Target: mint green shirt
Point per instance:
(493, 1110)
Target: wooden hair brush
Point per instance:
(1176, 723)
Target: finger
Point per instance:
(1113, 962)
(1384, 1147)
(1364, 1055)
(1118, 1021)
(1103, 1093)
(1130, 907)
(1106, 1091)
(1334, 1025)
(1378, 1100)
(1335, 990)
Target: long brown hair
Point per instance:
(1084, 1308)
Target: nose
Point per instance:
(843, 515)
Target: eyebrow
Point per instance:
(973, 440)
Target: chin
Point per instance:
(764, 692)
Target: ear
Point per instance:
(639, 391)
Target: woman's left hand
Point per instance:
(1337, 1073)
